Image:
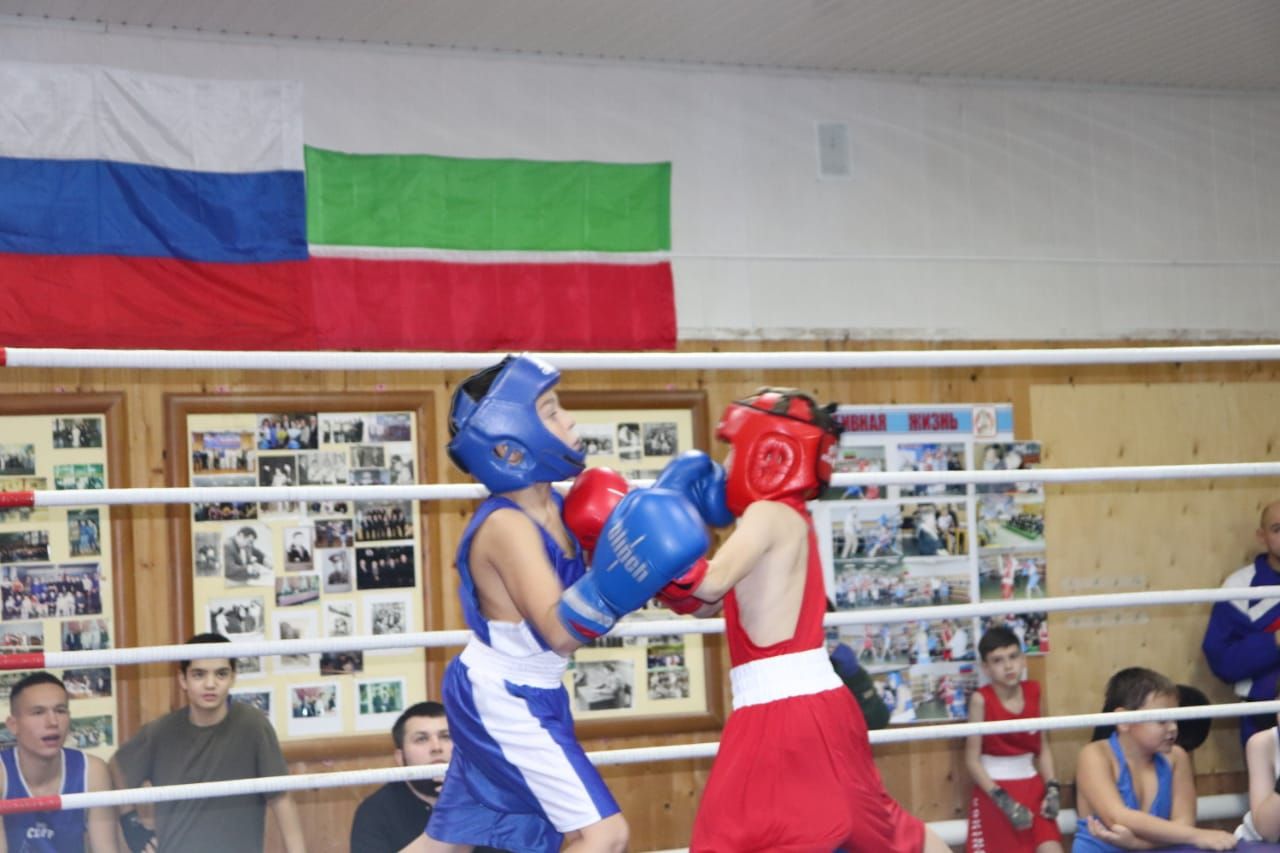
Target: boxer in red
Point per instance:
(795, 770)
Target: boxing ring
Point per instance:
(1209, 808)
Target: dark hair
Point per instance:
(210, 637)
(32, 680)
(247, 531)
(1131, 688)
(422, 709)
(997, 638)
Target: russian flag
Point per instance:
(164, 212)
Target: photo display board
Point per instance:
(919, 545)
(56, 572)
(619, 678)
(287, 570)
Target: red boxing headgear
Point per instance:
(783, 445)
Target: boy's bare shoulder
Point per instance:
(505, 530)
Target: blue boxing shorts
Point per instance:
(518, 779)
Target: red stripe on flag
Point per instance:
(333, 303)
(459, 306)
(154, 303)
(31, 804)
(9, 500)
(22, 660)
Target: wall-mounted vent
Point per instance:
(833, 150)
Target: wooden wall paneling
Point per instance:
(660, 798)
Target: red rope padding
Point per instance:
(24, 660)
(16, 499)
(3, 356)
(31, 804)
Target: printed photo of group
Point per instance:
(636, 443)
(296, 569)
(56, 563)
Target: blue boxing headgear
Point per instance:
(496, 433)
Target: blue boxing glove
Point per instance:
(651, 538)
(699, 478)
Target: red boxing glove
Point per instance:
(678, 596)
(595, 492)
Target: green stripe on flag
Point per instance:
(428, 202)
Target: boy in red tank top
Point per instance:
(1014, 807)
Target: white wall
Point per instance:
(975, 210)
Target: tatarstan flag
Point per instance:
(142, 210)
(490, 254)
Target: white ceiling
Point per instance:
(1213, 44)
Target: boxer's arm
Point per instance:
(508, 552)
(1264, 799)
(765, 527)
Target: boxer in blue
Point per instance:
(519, 780)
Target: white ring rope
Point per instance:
(274, 784)
(817, 360)
(655, 627)
(472, 491)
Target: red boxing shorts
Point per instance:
(795, 775)
(991, 832)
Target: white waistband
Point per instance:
(545, 669)
(1009, 766)
(782, 677)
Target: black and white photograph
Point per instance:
(322, 468)
(368, 456)
(237, 618)
(597, 439)
(208, 553)
(334, 566)
(22, 637)
(24, 546)
(388, 567)
(70, 433)
(314, 709)
(80, 635)
(278, 471)
(327, 508)
(248, 668)
(255, 697)
(400, 463)
(295, 624)
(290, 431)
(90, 732)
(78, 477)
(297, 549)
(334, 533)
(380, 521)
(668, 684)
(40, 591)
(246, 555)
(388, 427)
(341, 429)
(90, 683)
(378, 703)
(19, 460)
(369, 477)
(23, 513)
(341, 663)
(629, 446)
(295, 590)
(660, 438)
(387, 615)
(603, 685)
(339, 619)
(222, 453)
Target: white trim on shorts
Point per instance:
(783, 677)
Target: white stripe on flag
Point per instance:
(460, 256)
(83, 112)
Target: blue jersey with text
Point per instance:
(45, 832)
